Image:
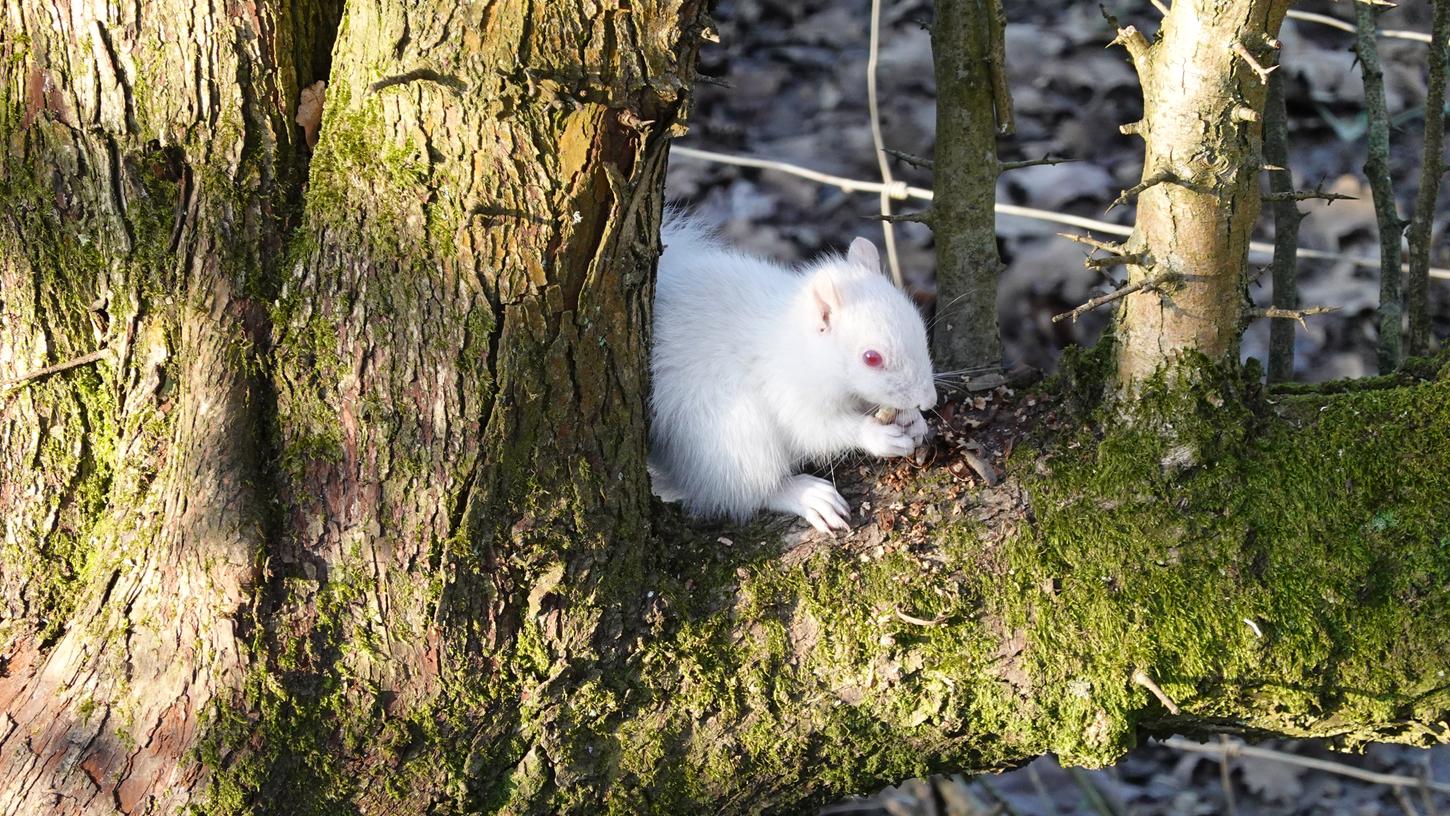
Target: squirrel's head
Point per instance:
(875, 335)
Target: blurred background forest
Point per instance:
(790, 85)
(792, 89)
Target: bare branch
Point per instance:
(1308, 195)
(1003, 167)
(1132, 192)
(910, 158)
(900, 191)
(1087, 240)
(1102, 300)
(997, 67)
(892, 263)
(1162, 9)
(1133, 128)
(1244, 113)
(1131, 39)
(1253, 62)
(1240, 750)
(1141, 678)
(1289, 314)
(1286, 232)
(919, 217)
(1126, 259)
(1334, 22)
(54, 369)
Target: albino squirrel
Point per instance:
(758, 368)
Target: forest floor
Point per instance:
(792, 76)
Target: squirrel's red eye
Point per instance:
(872, 358)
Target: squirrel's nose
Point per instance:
(928, 398)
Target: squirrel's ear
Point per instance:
(826, 298)
(863, 254)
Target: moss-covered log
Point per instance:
(352, 517)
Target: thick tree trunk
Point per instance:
(147, 163)
(361, 525)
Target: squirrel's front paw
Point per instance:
(914, 424)
(886, 440)
(814, 500)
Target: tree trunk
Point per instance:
(147, 173)
(351, 514)
(1203, 103)
(965, 338)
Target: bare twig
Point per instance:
(1308, 195)
(892, 263)
(1253, 62)
(1118, 294)
(1239, 750)
(1417, 283)
(1110, 261)
(919, 217)
(1141, 678)
(910, 158)
(915, 621)
(1003, 167)
(1162, 9)
(53, 369)
(901, 191)
(1377, 169)
(1160, 177)
(1277, 313)
(1106, 246)
(997, 66)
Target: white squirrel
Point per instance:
(759, 368)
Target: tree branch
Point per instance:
(1286, 232)
(1160, 177)
(1003, 167)
(1377, 169)
(1432, 167)
(53, 369)
(1102, 300)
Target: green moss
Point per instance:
(1159, 540)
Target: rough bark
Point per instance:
(965, 338)
(461, 390)
(147, 156)
(1203, 103)
(362, 526)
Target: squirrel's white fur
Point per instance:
(758, 368)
